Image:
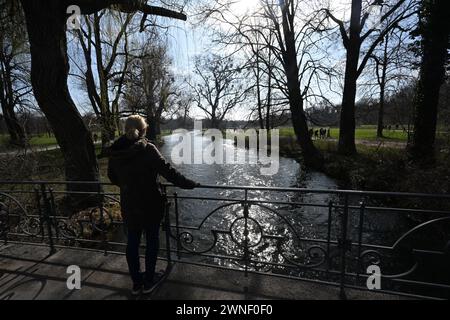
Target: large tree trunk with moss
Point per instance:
(46, 25)
(435, 43)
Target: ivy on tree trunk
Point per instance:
(434, 29)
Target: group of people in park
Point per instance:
(321, 133)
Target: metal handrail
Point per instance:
(254, 188)
(335, 256)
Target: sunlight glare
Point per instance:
(242, 6)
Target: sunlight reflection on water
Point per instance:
(228, 223)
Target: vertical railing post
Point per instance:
(53, 216)
(343, 246)
(40, 211)
(330, 212)
(103, 226)
(5, 232)
(167, 228)
(177, 225)
(362, 207)
(47, 218)
(5, 227)
(246, 249)
(246, 252)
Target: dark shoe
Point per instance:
(136, 290)
(149, 285)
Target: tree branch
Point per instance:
(341, 25)
(127, 6)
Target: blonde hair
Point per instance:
(135, 127)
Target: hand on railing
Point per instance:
(189, 184)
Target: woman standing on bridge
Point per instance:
(134, 166)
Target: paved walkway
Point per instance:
(28, 272)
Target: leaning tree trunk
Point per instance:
(311, 156)
(432, 72)
(347, 125)
(46, 24)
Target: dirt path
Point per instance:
(34, 149)
(383, 144)
(28, 150)
(376, 143)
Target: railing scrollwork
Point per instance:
(334, 240)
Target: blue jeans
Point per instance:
(151, 253)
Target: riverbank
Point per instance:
(366, 133)
(379, 167)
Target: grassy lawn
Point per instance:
(42, 141)
(165, 133)
(331, 146)
(35, 141)
(45, 140)
(362, 133)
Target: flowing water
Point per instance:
(228, 223)
(222, 231)
(289, 175)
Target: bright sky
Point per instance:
(186, 40)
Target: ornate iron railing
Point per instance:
(328, 236)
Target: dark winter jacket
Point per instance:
(134, 166)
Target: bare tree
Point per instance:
(149, 85)
(282, 28)
(15, 84)
(218, 86)
(46, 25)
(183, 106)
(261, 63)
(107, 45)
(392, 62)
(354, 38)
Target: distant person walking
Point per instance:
(134, 166)
(323, 133)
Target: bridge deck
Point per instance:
(28, 272)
